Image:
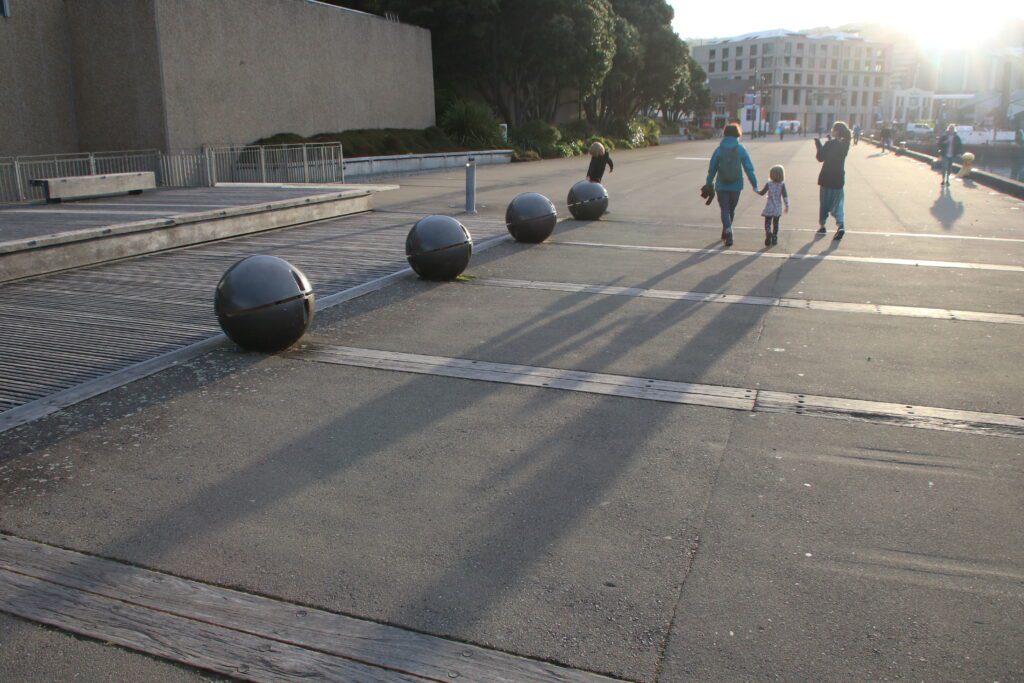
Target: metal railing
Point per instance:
(303, 163)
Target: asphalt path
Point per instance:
(639, 539)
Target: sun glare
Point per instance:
(957, 31)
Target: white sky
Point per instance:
(963, 25)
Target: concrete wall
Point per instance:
(241, 70)
(116, 65)
(37, 114)
(98, 75)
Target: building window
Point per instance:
(821, 79)
(725, 66)
(785, 78)
(711, 67)
(739, 51)
(789, 48)
(711, 54)
(846, 65)
(796, 97)
(878, 81)
(766, 62)
(785, 97)
(753, 50)
(788, 61)
(753, 63)
(768, 49)
(878, 66)
(799, 47)
(846, 81)
(725, 53)
(799, 62)
(739, 65)
(798, 78)
(832, 79)
(856, 81)
(835, 64)
(856, 65)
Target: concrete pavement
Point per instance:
(639, 539)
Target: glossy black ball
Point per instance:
(587, 201)
(438, 248)
(264, 303)
(531, 217)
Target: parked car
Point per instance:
(919, 130)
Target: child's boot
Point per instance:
(767, 237)
(775, 235)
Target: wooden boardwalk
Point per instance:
(63, 330)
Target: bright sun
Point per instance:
(964, 31)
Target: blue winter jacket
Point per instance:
(727, 143)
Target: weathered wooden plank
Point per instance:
(369, 642)
(205, 646)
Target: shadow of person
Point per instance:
(947, 210)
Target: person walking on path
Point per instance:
(950, 147)
(1017, 171)
(886, 137)
(777, 196)
(599, 159)
(856, 134)
(832, 177)
(728, 164)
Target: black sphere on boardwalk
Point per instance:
(438, 248)
(531, 217)
(264, 303)
(587, 201)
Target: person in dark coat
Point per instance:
(950, 147)
(832, 178)
(599, 159)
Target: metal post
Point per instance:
(210, 177)
(305, 165)
(263, 165)
(471, 185)
(17, 181)
(341, 154)
(92, 164)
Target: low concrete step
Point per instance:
(30, 256)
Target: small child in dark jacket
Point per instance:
(832, 178)
(599, 158)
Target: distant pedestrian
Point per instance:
(1017, 171)
(777, 196)
(856, 134)
(832, 178)
(782, 132)
(728, 164)
(950, 147)
(886, 137)
(599, 159)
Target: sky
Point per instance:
(931, 26)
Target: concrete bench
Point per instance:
(85, 186)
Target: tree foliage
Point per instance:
(526, 57)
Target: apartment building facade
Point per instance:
(813, 79)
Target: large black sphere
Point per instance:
(531, 217)
(264, 303)
(587, 201)
(438, 248)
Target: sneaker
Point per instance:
(821, 230)
(728, 239)
(839, 234)
(767, 239)
(775, 238)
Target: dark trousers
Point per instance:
(771, 224)
(727, 201)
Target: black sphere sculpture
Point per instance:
(587, 201)
(531, 217)
(264, 303)
(438, 248)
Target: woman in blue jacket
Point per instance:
(728, 163)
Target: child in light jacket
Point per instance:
(777, 197)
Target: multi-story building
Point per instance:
(815, 79)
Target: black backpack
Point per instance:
(729, 168)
